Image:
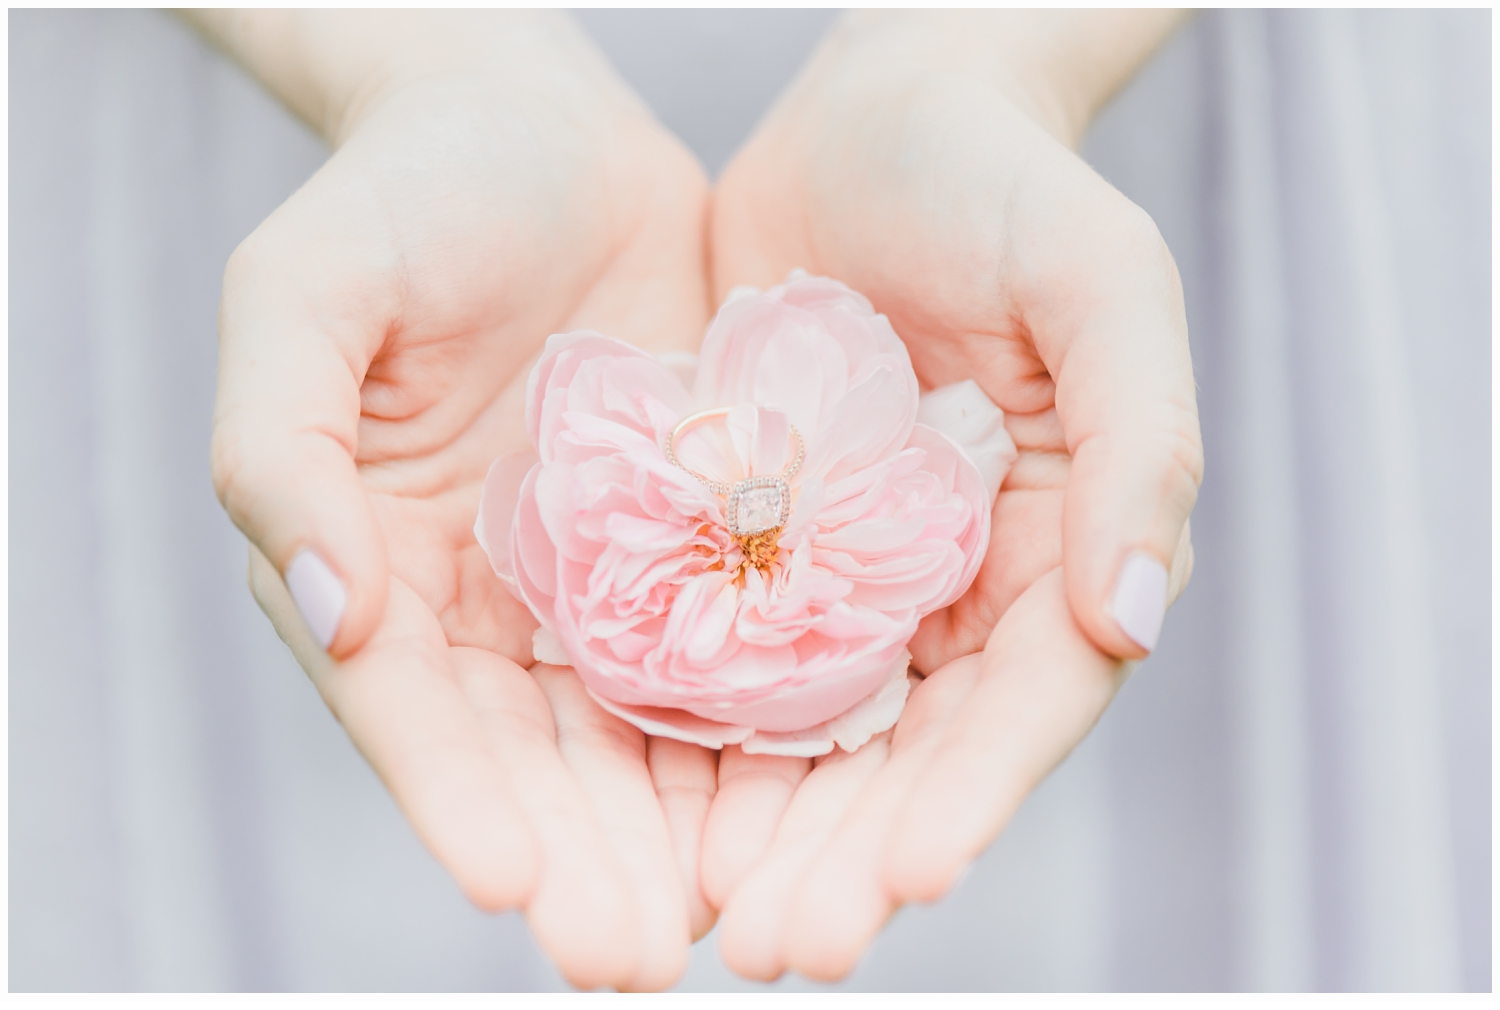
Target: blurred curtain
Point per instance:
(1294, 792)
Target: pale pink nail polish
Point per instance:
(1140, 600)
(318, 593)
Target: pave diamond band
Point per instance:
(755, 505)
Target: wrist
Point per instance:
(1058, 67)
(334, 68)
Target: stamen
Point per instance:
(759, 549)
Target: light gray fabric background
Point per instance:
(1294, 792)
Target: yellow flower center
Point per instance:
(759, 548)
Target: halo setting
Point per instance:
(756, 508)
(758, 504)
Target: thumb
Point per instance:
(283, 453)
(1118, 350)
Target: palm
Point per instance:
(963, 222)
(437, 293)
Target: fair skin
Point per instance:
(923, 159)
(493, 181)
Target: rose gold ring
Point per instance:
(754, 505)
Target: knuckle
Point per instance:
(1141, 242)
(244, 262)
(1183, 459)
(239, 480)
(1138, 229)
(226, 460)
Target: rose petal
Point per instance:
(870, 423)
(675, 724)
(828, 684)
(944, 457)
(550, 385)
(799, 347)
(967, 415)
(875, 714)
(497, 510)
(533, 556)
(545, 648)
(803, 744)
(625, 560)
(683, 364)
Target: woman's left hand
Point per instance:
(909, 163)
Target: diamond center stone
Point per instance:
(758, 507)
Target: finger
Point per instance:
(582, 912)
(608, 760)
(1042, 687)
(286, 429)
(842, 900)
(1103, 302)
(401, 708)
(754, 790)
(686, 778)
(1023, 548)
(754, 921)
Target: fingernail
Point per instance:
(1140, 600)
(318, 593)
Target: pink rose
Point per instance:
(794, 642)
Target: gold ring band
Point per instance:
(755, 505)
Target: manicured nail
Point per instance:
(318, 593)
(1140, 600)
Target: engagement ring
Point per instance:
(755, 506)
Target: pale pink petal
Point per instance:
(967, 415)
(850, 731)
(808, 743)
(827, 687)
(799, 347)
(624, 559)
(872, 715)
(807, 502)
(565, 354)
(534, 559)
(875, 714)
(545, 648)
(675, 724)
(638, 395)
(497, 510)
(683, 364)
(946, 459)
(707, 448)
(847, 314)
(819, 352)
(763, 352)
(746, 441)
(772, 449)
(870, 423)
(762, 439)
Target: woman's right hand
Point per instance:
(492, 182)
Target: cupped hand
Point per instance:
(493, 184)
(927, 164)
